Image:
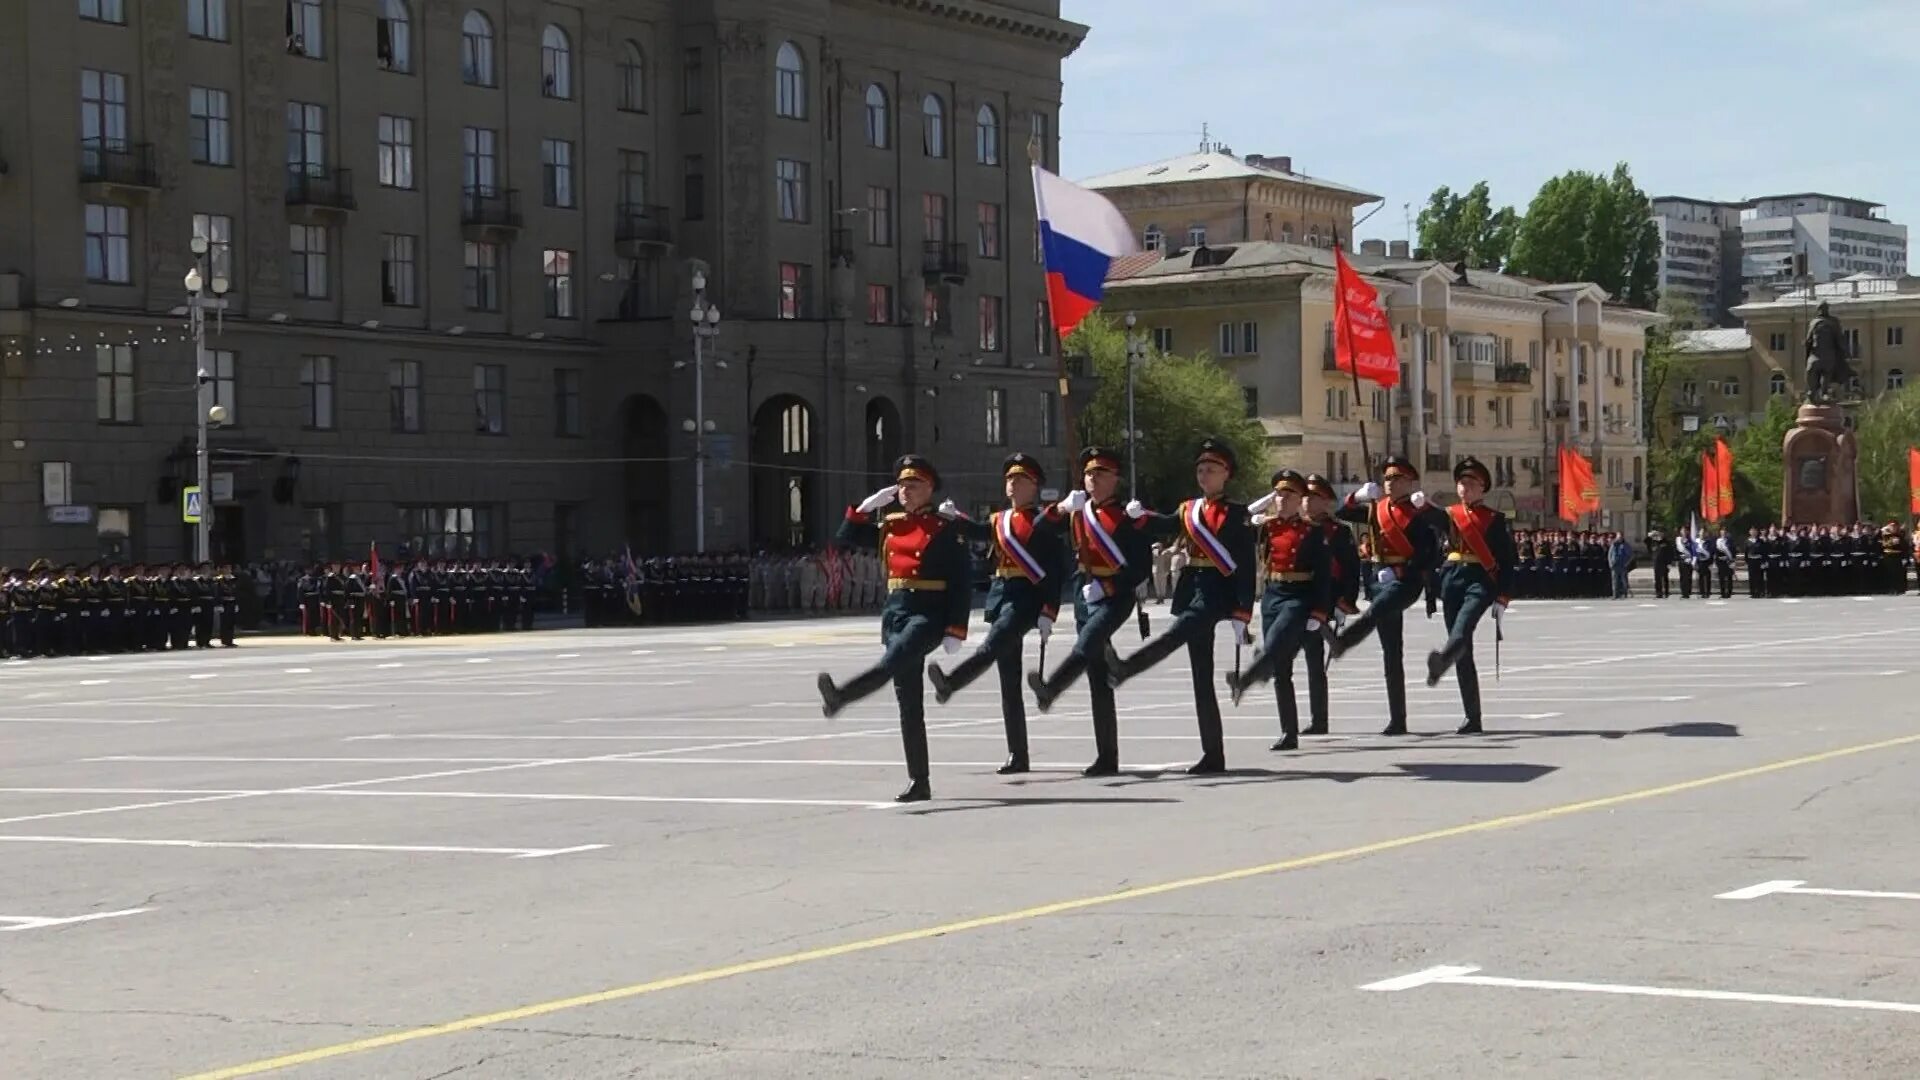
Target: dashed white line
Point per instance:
(392, 665)
(205, 675)
(299, 671)
(479, 660)
(95, 682)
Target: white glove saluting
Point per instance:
(951, 644)
(1259, 505)
(1369, 492)
(1074, 502)
(879, 498)
(1418, 499)
(1136, 509)
(1259, 519)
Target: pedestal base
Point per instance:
(1819, 485)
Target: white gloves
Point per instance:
(1259, 505)
(1498, 611)
(1313, 625)
(1240, 635)
(1385, 575)
(1093, 592)
(1369, 492)
(1259, 519)
(1136, 509)
(1419, 499)
(1339, 618)
(948, 510)
(1045, 627)
(879, 499)
(1074, 502)
(951, 644)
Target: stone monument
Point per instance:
(1818, 485)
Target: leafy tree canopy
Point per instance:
(1586, 227)
(1466, 228)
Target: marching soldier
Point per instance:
(1343, 563)
(226, 594)
(1216, 586)
(929, 602)
(1025, 595)
(1408, 551)
(1114, 555)
(1298, 601)
(333, 588)
(1480, 554)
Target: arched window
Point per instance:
(556, 63)
(1777, 384)
(879, 118)
(986, 136)
(633, 78)
(1154, 240)
(934, 140)
(1896, 378)
(476, 50)
(393, 40)
(789, 83)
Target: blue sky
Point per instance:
(1710, 98)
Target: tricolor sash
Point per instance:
(1102, 538)
(1194, 516)
(1393, 532)
(1009, 537)
(1474, 535)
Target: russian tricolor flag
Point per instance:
(1081, 233)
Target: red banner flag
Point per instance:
(1578, 493)
(1913, 481)
(1723, 475)
(1362, 338)
(1709, 488)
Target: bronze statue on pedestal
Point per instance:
(1827, 369)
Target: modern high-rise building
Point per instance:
(1839, 236)
(1700, 253)
(458, 242)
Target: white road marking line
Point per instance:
(42, 922)
(542, 796)
(199, 759)
(205, 675)
(74, 719)
(125, 807)
(240, 845)
(125, 791)
(95, 682)
(714, 648)
(385, 666)
(299, 671)
(568, 656)
(1799, 888)
(641, 652)
(1464, 976)
(479, 660)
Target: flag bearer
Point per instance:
(1480, 558)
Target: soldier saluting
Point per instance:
(1406, 549)
(1480, 555)
(1298, 600)
(1343, 559)
(1030, 562)
(929, 579)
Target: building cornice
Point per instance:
(1060, 34)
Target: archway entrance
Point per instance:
(649, 528)
(785, 465)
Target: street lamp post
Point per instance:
(205, 409)
(1136, 354)
(706, 326)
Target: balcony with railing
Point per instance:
(1561, 409)
(489, 214)
(1513, 375)
(313, 188)
(108, 167)
(943, 260)
(640, 229)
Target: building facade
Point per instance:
(1839, 236)
(1700, 254)
(1494, 367)
(1214, 197)
(1716, 382)
(459, 241)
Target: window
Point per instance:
(633, 78)
(1250, 398)
(634, 168)
(693, 80)
(789, 83)
(987, 231)
(109, 243)
(1196, 236)
(996, 417)
(566, 402)
(1286, 232)
(305, 36)
(113, 11)
(398, 271)
(221, 370)
(447, 532)
(396, 152)
(1896, 336)
(556, 63)
(1896, 378)
(1163, 340)
(1043, 330)
(556, 172)
(217, 231)
(986, 136)
(989, 324)
(479, 161)
(209, 126)
(790, 178)
(793, 291)
(1227, 339)
(316, 392)
(557, 266)
(880, 216)
(933, 113)
(403, 396)
(306, 138)
(307, 260)
(114, 531)
(490, 399)
(113, 383)
(1154, 239)
(1852, 337)
(1731, 388)
(1249, 339)
(483, 277)
(879, 118)
(103, 110)
(476, 50)
(1041, 130)
(1777, 342)
(1777, 383)
(933, 217)
(694, 187)
(1313, 236)
(207, 19)
(933, 313)
(393, 36)
(1050, 418)
(879, 305)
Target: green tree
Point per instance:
(1664, 363)
(1586, 227)
(1888, 427)
(1178, 401)
(1675, 470)
(1455, 228)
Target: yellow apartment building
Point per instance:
(1216, 197)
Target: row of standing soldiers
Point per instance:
(111, 609)
(416, 599)
(686, 588)
(1563, 564)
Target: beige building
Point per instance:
(1496, 367)
(459, 240)
(1214, 197)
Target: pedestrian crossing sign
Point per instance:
(190, 505)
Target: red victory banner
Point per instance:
(1578, 493)
(1709, 488)
(1913, 481)
(1723, 469)
(1362, 338)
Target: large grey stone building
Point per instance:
(460, 237)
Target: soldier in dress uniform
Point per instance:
(47, 613)
(226, 597)
(1343, 558)
(1113, 555)
(1217, 586)
(1298, 599)
(1661, 551)
(929, 602)
(1030, 563)
(1480, 554)
(1402, 525)
(1756, 555)
(1723, 556)
(1893, 560)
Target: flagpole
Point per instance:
(1068, 419)
(1345, 321)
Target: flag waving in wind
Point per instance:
(1362, 338)
(1913, 480)
(1081, 233)
(1578, 493)
(1723, 475)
